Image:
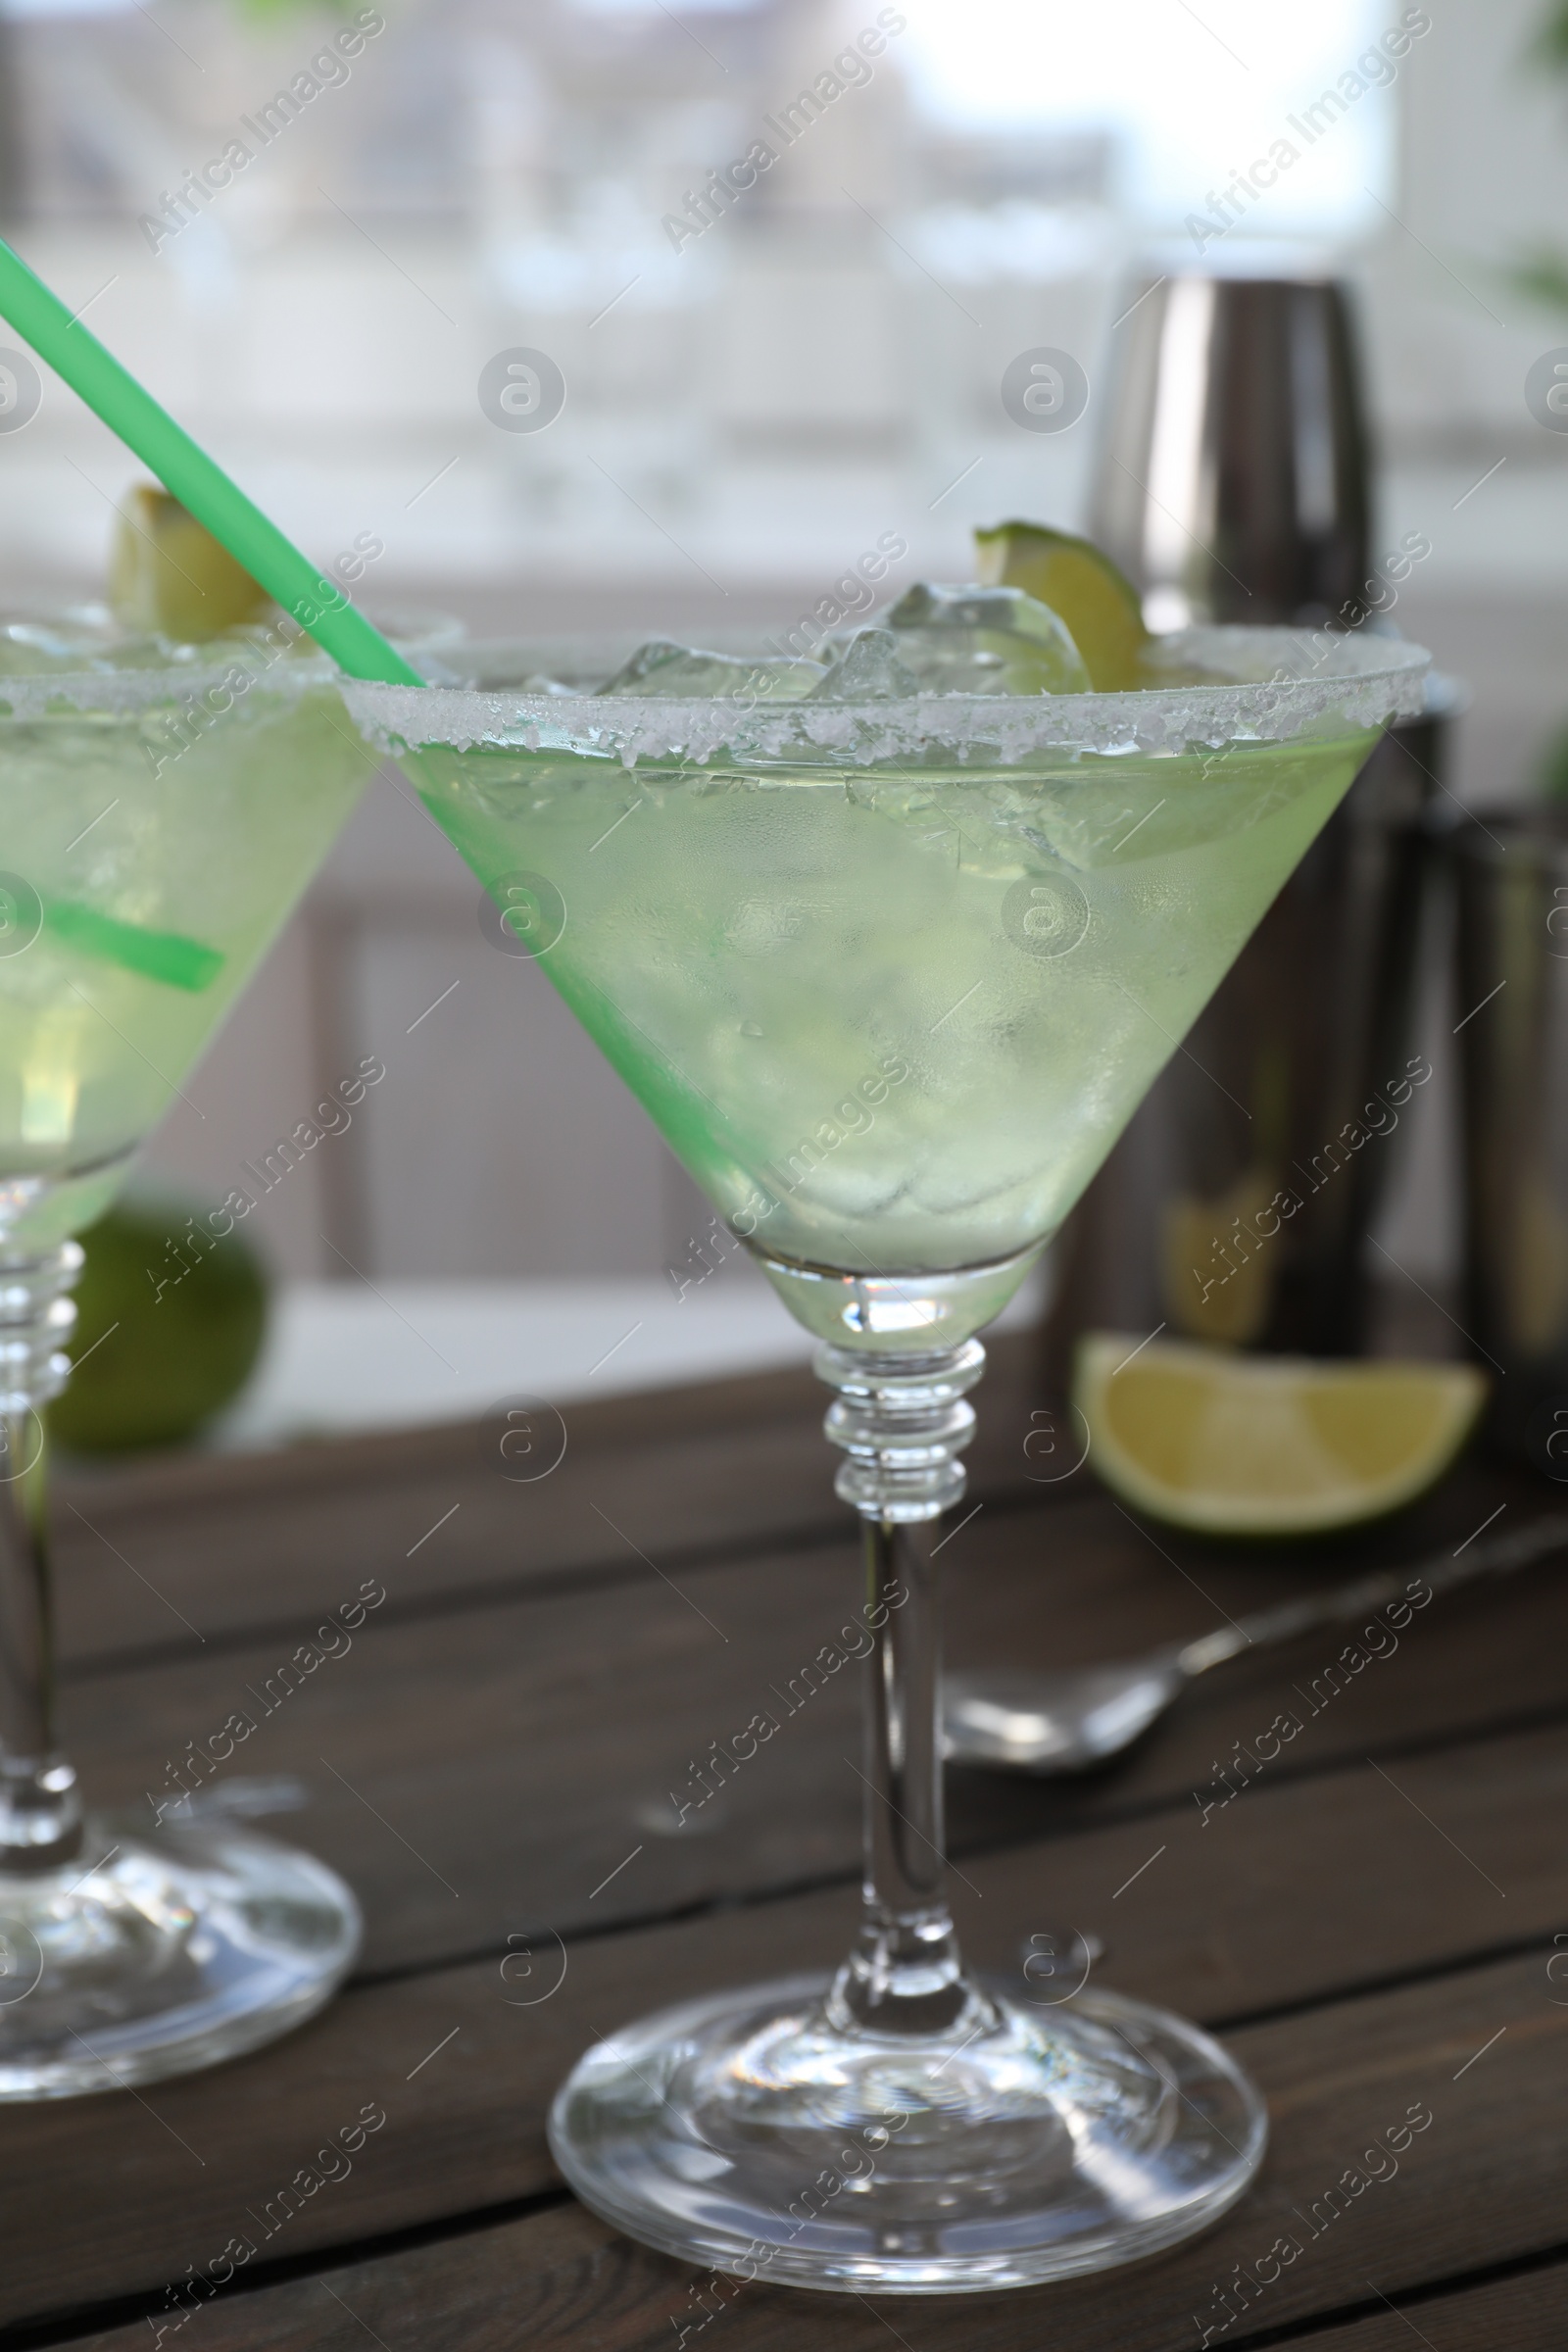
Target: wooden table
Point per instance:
(1371, 1923)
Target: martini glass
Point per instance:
(891, 979)
(160, 809)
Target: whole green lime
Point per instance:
(170, 1321)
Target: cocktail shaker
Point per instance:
(1511, 1009)
(1233, 476)
(1232, 486)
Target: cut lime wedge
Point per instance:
(170, 575)
(1098, 604)
(1267, 1445)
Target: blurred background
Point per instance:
(312, 232)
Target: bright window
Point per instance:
(1190, 95)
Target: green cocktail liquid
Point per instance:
(158, 820)
(891, 1020)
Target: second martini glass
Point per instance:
(891, 977)
(160, 809)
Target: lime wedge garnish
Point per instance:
(165, 955)
(1098, 604)
(169, 576)
(1260, 1446)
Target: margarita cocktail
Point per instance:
(888, 989)
(161, 811)
(162, 807)
(890, 946)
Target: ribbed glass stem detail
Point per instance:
(903, 1421)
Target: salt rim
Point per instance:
(1282, 683)
(126, 692)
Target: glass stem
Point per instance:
(901, 1420)
(40, 1813)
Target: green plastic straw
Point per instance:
(203, 488)
(165, 955)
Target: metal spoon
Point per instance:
(1048, 1723)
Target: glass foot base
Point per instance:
(154, 1954)
(746, 2134)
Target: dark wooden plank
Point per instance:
(231, 1542)
(1219, 1926)
(582, 2286)
(229, 1545)
(520, 1711)
(525, 1748)
(1089, 1585)
(1524, 2314)
(1480, 2185)
(489, 1770)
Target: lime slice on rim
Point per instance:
(1101, 609)
(1267, 1445)
(169, 576)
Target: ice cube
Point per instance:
(969, 640)
(867, 670)
(681, 672)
